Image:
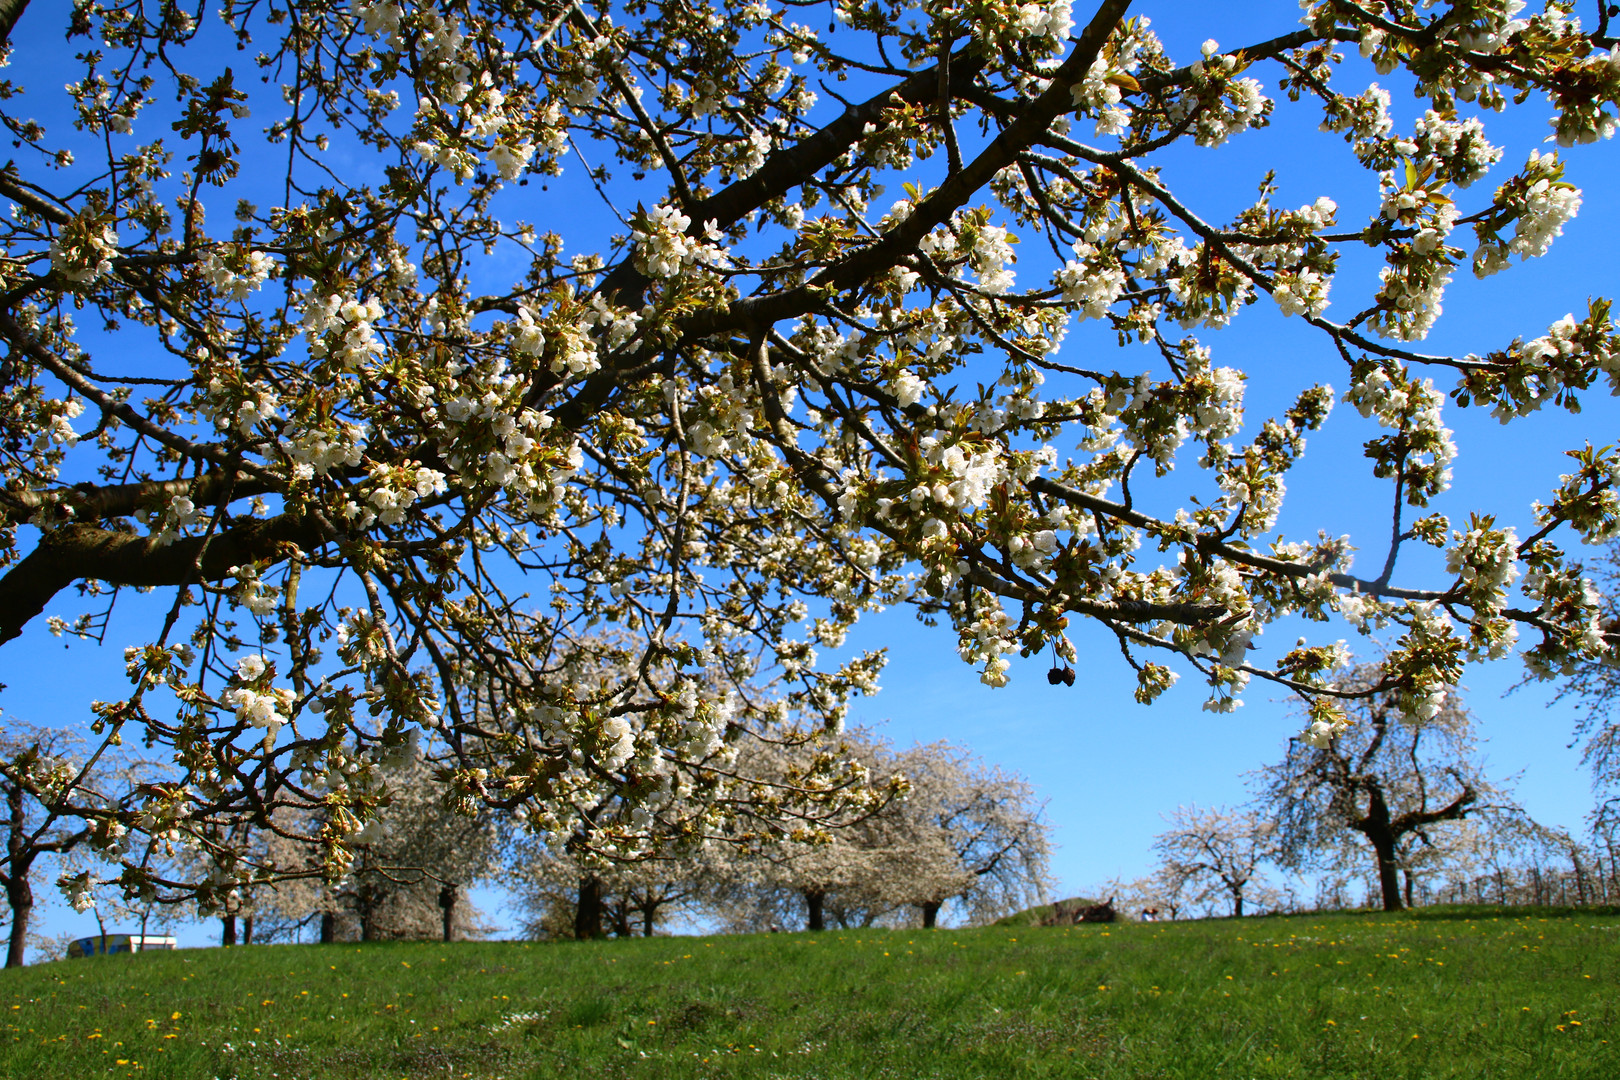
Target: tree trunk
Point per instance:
(647, 913)
(228, 932)
(1237, 905)
(1407, 875)
(447, 909)
(20, 895)
(247, 929)
(588, 913)
(328, 928)
(813, 899)
(1389, 871)
(930, 914)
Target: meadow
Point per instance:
(1442, 992)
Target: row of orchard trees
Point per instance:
(967, 841)
(1399, 802)
(408, 876)
(959, 839)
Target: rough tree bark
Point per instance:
(447, 909)
(813, 901)
(19, 893)
(588, 912)
(10, 12)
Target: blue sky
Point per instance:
(1107, 766)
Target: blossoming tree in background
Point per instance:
(966, 840)
(975, 834)
(1389, 781)
(298, 336)
(1215, 855)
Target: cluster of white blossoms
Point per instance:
(615, 742)
(178, 516)
(1588, 500)
(1564, 350)
(1539, 202)
(489, 437)
(79, 890)
(511, 158)
(907, 388)
(1224, 106)
(1093, 283)
(84, 255)
(236, 276)
(1457, 148)
(526, 335)
(57, 430)
(1543, 209)
(394, 489)
(1574, 608)
(326, 317)
(1252, 485)
(989, 256)
(960, 477)
(1428, 627)
(1099, 92)
(1492, 26)
(1301, 292)
(1099, 96)
(381, 18)
(241, 406)
(1321, 733)
(1216, 394)
(986, 641)
(1412, 406)
(255, 702)
(620, 325)
(1031, 551)
(1216, 581)
(316, 451)
(1485, 560)
(1051, 22)
(253, 593)
(573, 352)
(663, 248)
(1415, 279)
(1363, 117)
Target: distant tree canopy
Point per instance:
(966, 840)
(304, 332)
(1388, 782)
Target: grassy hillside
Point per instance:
(1444, 993)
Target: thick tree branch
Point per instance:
(80, 552)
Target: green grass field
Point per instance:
(1442, 993)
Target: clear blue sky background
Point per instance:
(1108, 767)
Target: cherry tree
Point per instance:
(632, 897)
(974, 832)
(305, 333)
(1216, 853)
(961, 835)
(1386, 780)
(38, 770)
